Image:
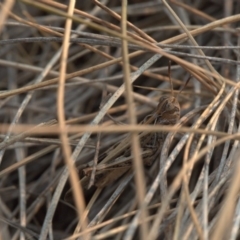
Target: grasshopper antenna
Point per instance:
(185, 84)
(169, 75)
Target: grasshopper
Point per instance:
(118, 160)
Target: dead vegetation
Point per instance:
(77, 78)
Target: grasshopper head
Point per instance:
(168, 110)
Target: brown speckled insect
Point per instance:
(166, 113)
(118, 160)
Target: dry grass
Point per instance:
(99, 67)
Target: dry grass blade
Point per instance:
(151, 176)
